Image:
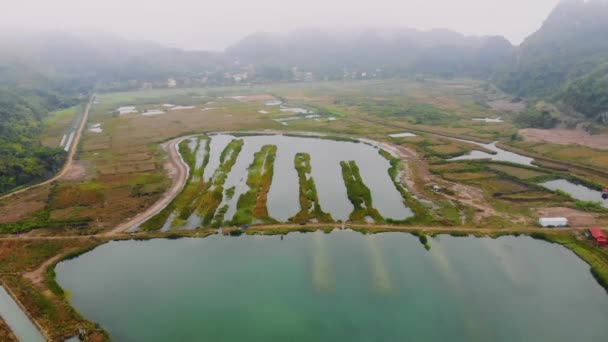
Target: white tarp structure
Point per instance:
(553, 222)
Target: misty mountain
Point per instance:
(570, 44)
(402, 51)
(84, 60)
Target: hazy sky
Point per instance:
(204, 24)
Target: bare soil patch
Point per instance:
(22, 205)
(77, 172)
(576, 218)
(565, 137)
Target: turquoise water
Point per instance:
(499, 154)
(342, 286)
(283, 196)
(577, 191)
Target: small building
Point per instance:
(599, 236)
(551, 222)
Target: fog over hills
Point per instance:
(567, 48)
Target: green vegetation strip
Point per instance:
(193, 186)
(309, 200)
(252, 204)
(42, 219)
(358, 194)
(208, 203)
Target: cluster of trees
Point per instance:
(589, 96)
(22, 157)
(535, 118)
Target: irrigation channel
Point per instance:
(17, 320)
(342, 286)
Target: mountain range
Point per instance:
(565, 61)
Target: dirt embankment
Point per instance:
(565, 137)
(465, 194)
(5, 333)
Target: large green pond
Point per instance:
(342, 286)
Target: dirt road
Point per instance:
(70, 158)
(178, 171)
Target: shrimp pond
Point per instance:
(342, 286)
(239, 180)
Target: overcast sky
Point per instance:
(205, 24)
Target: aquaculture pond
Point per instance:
(252, 179)
(498, 154)
(576, 191)
(17, 320)
(342, 286)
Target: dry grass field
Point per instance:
(122, 168)
(56, 124)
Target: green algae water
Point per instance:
(342, 286)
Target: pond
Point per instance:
(500, 154)
(16, 319)
(576, 191)
(283, 198)
(342, 286)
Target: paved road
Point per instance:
(70, 159)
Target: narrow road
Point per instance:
(178, 171)
(70, 159)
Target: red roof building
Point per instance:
(599, 236)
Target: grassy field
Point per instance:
(576, 154)
(57, 124)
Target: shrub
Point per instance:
(589, 206)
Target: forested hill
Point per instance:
(384, 53)
(565, 60)
(589, 96)
(23, 159)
